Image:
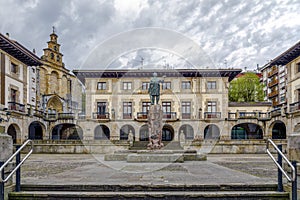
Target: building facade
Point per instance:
(40, 95)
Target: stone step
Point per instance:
(170, 145)
(220, 195)
(150, 187)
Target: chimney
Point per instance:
(33, 51)
(7, 35)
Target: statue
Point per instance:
(154, 89)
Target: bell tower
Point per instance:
(52, 52)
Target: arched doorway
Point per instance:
(35, 131)
(125, 130)
(67, 132)
(211, 132)
(13, 130)
(246, 131)
(144, 133)
(279, 130)
(55, 105)
(188, 131)
(167, 133)
(102, 132)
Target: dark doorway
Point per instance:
(35, 131)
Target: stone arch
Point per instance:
(53, 82)
(36, 130)
(67, 131)
(278, 130)
(167, 133)
(187, 130)
(124, 132)
(14, 131)
(247, 131)
(211, 131)
(55, 103)
(101, 132)
(144, 133)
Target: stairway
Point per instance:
(168, 145)
(220, 192)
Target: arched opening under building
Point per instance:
(188, 131)
(35, 131)
(246, 131)
(13, 131)
(211, 132)
(125, 130)
(167, 133)
(102, 132)
(67, 132)
(279, 130)
(144, 133)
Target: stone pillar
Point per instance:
(155, 115)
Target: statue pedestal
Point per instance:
(155, 115)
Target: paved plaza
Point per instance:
(92, 169)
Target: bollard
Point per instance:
(279, 177)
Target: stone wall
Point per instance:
(104, 147)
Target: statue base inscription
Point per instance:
(155, 115)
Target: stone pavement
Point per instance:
(92, 169)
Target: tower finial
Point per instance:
(53, 27)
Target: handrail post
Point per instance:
(279, 177)
(18, 172)
(294, 183)
(2, 183)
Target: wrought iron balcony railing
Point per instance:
(14, 106)
(66, 116)
(142, 115)
(97, 115)
(295, 106)
(170, 115)
(212, 115)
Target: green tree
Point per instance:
(246, 88)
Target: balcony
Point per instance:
(50, 116)
(295, 107)
(273, 83)
(66, 116)
(273, 72)
(186, 116)
(142, 116)
(14, 106)
(101, 116)
(275, 112)
(249, 115)
(273, 93)
(212, 115)
(38, 113)
(170, 116)
(81, 116)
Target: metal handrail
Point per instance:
(290, 179)
(19, 165)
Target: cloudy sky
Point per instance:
(231, 33)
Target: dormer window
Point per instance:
(55, 48)
(57, 58)
(52, 56)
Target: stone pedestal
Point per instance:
(294, 147)
(155, 115)
(6, 147)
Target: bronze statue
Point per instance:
(154, 89)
